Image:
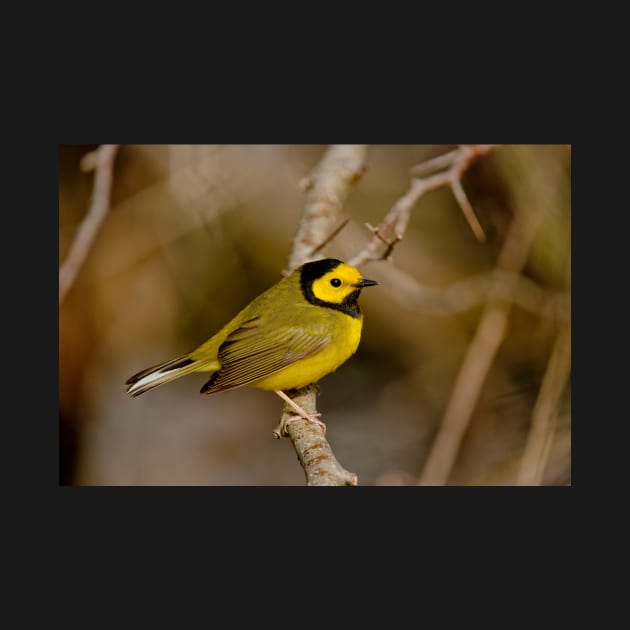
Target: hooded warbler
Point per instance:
(295, 333)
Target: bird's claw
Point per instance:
(281, 429)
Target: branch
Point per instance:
(320, 464)
(474, 291)
(393, 227)
(102, 161)
(327, 187)
(481, 353)
(545, 411)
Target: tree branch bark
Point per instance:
(327, 187)
(313, 450)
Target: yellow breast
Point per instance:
(344, 343)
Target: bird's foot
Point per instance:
(281, 429)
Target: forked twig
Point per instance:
(393, 227)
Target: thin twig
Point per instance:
(468, 154)
(467, 209)
(545, 411)
(393, 227)
(396, 220)
(451, 158)
(330, 237)
(102, 161)
(326, 188)
(434, 164)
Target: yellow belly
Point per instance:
(313, 368)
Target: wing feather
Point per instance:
(251, 353)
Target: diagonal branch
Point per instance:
(326, 188)
(102, 161)
(330, 237)
(393, 227)
(481, 352)
(545, 411)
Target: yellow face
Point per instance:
(336, 285)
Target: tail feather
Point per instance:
(160, 374)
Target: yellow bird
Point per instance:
(295, 333)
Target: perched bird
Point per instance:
(295, 333)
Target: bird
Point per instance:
(301, 329)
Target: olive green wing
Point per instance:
(254, 351)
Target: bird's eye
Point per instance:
(335, 282)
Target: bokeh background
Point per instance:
(194, 232)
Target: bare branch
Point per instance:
(467, 209)
(474, 291)
(470, 379)
(481, 353)
(102, 161)
(396, 220)
(393, 227)
(313, 450)
(469, 153)
(460, 155)
(328, 185)
(326, 188)
(545, 411)
(435, 164)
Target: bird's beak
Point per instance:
(364, 282)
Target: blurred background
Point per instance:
(194, 232)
